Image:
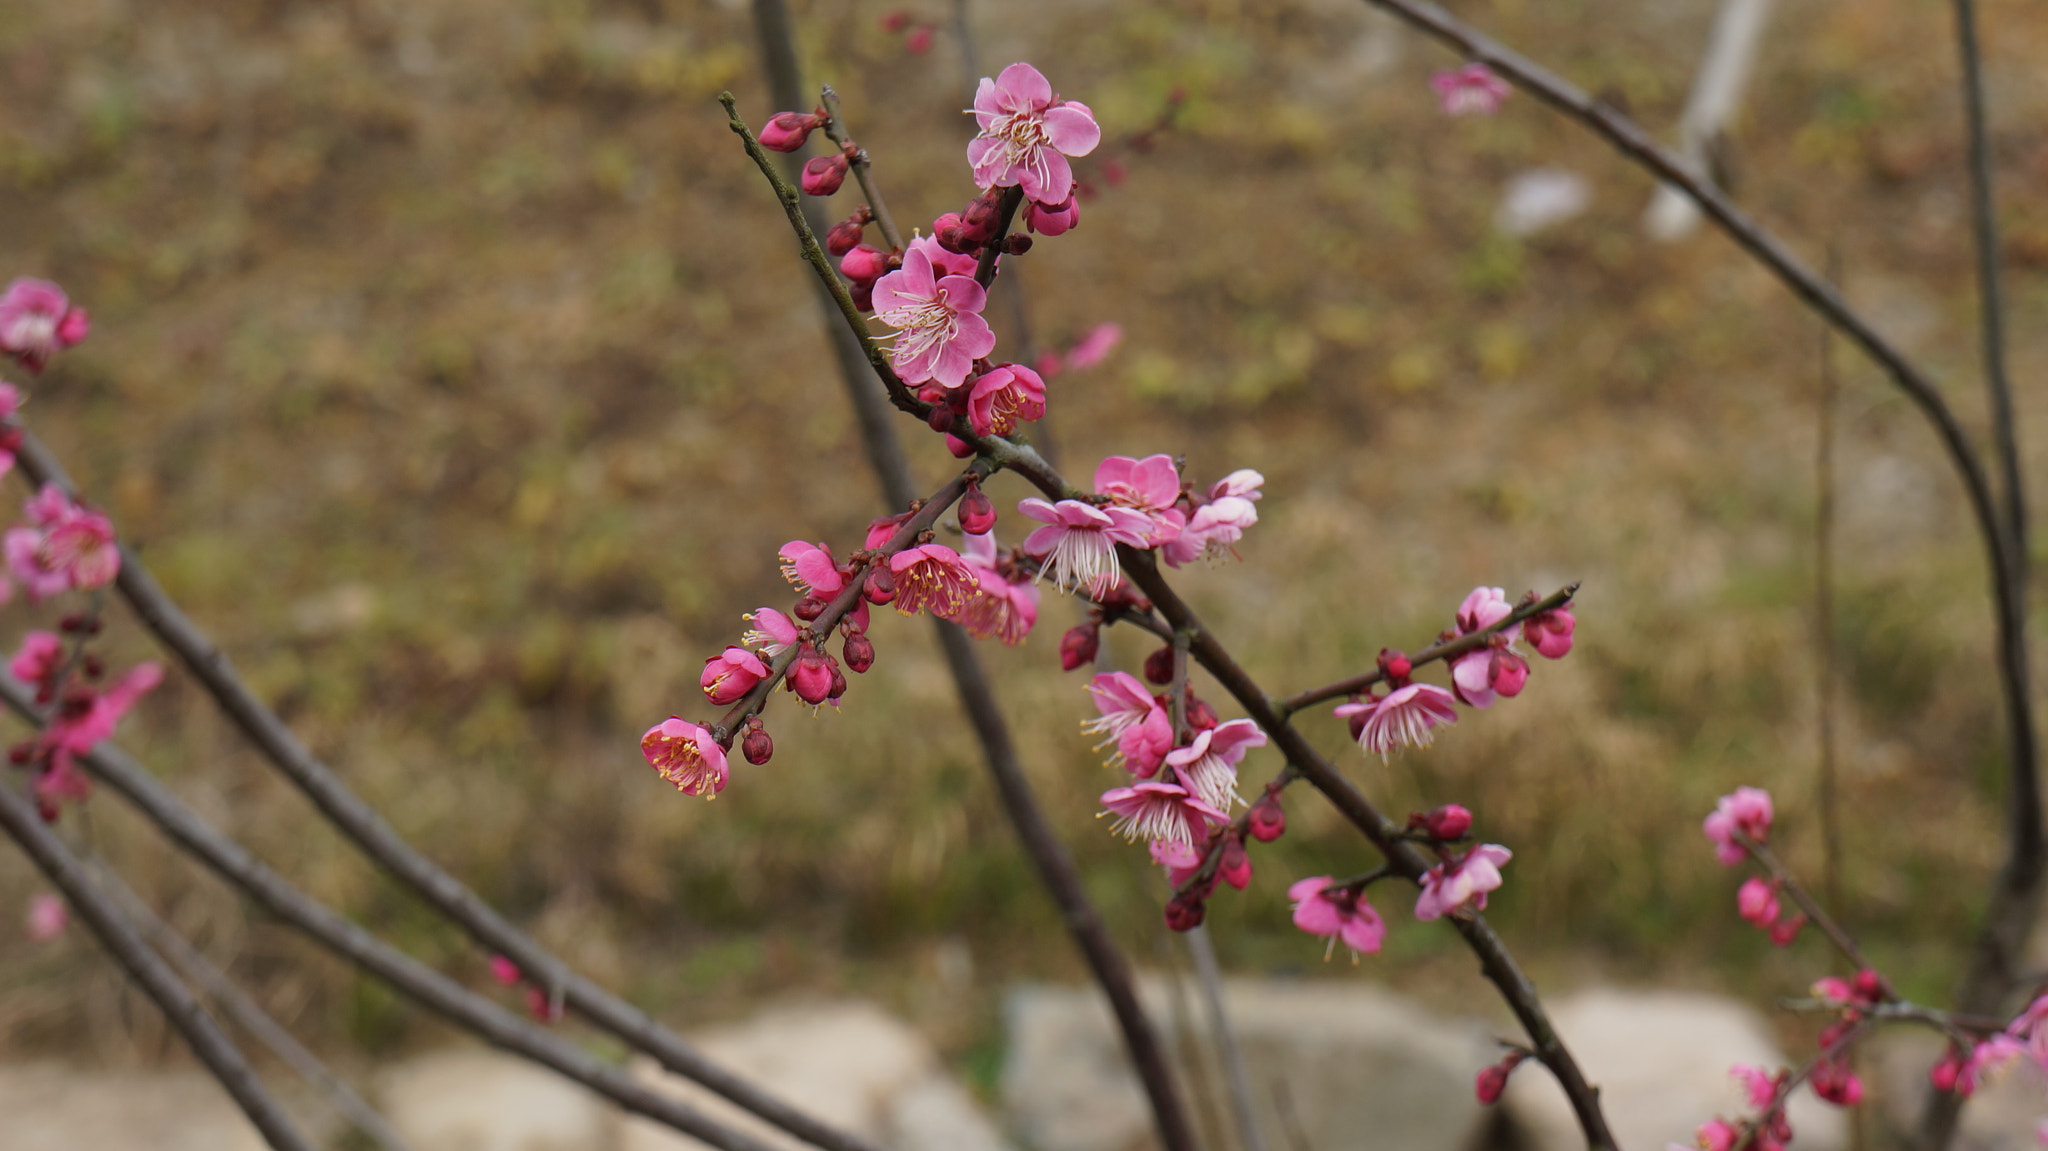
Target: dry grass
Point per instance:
(453, 368)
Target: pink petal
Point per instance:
(1021, 88)
(1071, 128)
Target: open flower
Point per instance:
(810, 569)
(931, 577)
(1402, 719)
(1747, 810)
(63, 546)
(1465, 883)
(1027, 134)
(1343, 914)
(1079, 541)
(1470, 90)
(1160, 812)
(939, 329)
(1002, 396)
(686, 756)
(731, 674)
(37, 320)
(1218, 523)
(773, 632)
(1001, 607)
(1208, 766)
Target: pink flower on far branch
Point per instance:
(1160, 812)
(37, 321)
(1463, 884)
(939, 329)
(1027, 134)
(1550, 632)
(1404, 718)
(931, 577)
(48, 916)
(1470, 90)
(686, 756)
(63, 546)
(1078, 542)
(1219, 522)
(1747, 810)
(1343, 914)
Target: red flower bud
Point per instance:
(863, 294)
(977, 513)
(1052, 220)
(881, 586)
(1508, 673)
(1869, 985)
(895, 21)
(756, 745)
(1447, 822)
(1395, 666)
(1492, 1081)
(1159, 666)
(1266, 821)
(1016, 243)
(864, 264)
(960, 448)
(1079, 645)
(838, 683)
(1184, 912)
(823, 175)
(812, 676)
(787, 131)
(1201, 716)
(845, 236)
(1236, 865)
(859, 651)
(919, 41)
(808, 608)
(1784, 931)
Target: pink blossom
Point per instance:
(809, 567)
(931, 577)
(84, 721)
(1483, 608)
(787, 131)
(37, 320)
(1833, 1081)
(1220, 521)
(944, 261)
(504, 971)
(773, 632)
(1550, 632)
(1094, 347)
(822, 175)
(40, 658)
(1758, 1085)
(1002, 396)
(1343, 914)
(64, 546)
(815, 676)
(939, 329)
(1469, 90)
(1160, 811)
(1027, 134)
(1079, 542)
(1757, 902)
(1402, 719)
(1747, 810)
(686, 756)
(864, 264)
(1150, 485)
(1465, 883)
(730, 675)
(1181, 860)
(1715, 1135)
(48, 916)
(1131, 719)
(1057, 220)
(1208, 766)
(1000, 607)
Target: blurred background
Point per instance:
(453, 367)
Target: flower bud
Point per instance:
(1508, 673)
(895, 21)
(808, 608)
(863, 293)
(859, 651)
(811, 677)
(1450, 821)
(1266, 821)
(919, 41)
(881, 586)
(1079, 644)
(1945, 1073)
(1054, 220)
(845, 236)
(1491, 1082)
(1550, 632)
(1784, 931)
(864, 264)
(756, 745)
(947, 230)
(823, 175)
(504, 971)
(1236, 865)
(1201, 716)
(1159, 666)
(838, 684)
(977, 513)
(1016, 244)
(960, 448)
(787, 131)
(1184, 912)
(1395, 666)
(1868, 985)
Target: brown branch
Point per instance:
(148, 970)
(835, 130)
(377, 839)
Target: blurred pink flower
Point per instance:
(48, 916)
(1446, 889)
(1472, 89)
(1757, 902)
(504, 971)
(1402, 719)
(1343, 915)
(37, 320)
(1747, 810)
(939, 329)
(686, 756)
(1027, 134)
(63, 546)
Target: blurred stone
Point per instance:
(848, 1064)
(1660, 1060)
(52, 1108)
(1326, 1061)
(1539, 198)
(473, 1100)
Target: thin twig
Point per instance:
(148, 970)
(1824, 617)
(1209, 974)
(377, 839)
(835, 130)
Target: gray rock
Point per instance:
(1660, 1060)
(52, 1108)
(1326, 1061)
(475, 1100)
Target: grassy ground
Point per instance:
(452, 367)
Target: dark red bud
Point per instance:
(1869, 985)
(1016, 243)
(10, 439)
(940, 418)
(808, 608)
(960, 448)
(920, 40)
(859, 651)
(1236, 865)
(864, 264)
(863, 296)
(756, 746)
(1184, 912)
(1201, 716)
(1395, 666)
(787, 131)
(1159, 666)
(1447, 822)
(845, 236)
(1493, 1080)
(1784, 931)
(21, 753)
(977, 513)
(881, 586)
(1079, 644)
(93, 667)
(895, 21)
(823, 175)
(838, 683)
(1266, 821)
